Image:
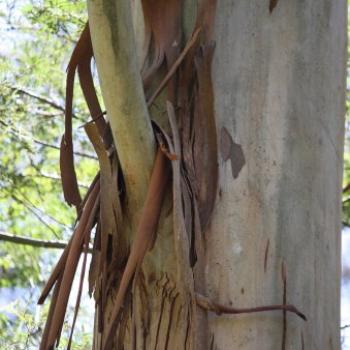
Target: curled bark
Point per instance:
(138, 271)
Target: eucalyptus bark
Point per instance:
(120, 79)
(280, 92)
(279, 88)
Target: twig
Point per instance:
(35, 214)
(174, 67)
(47, 115)
(31, 204)
(54, 178)
(8, 237)
(207, 304)
(39, 98)
(16, 132)
(80, 154)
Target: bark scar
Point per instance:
(302, 341)
(231, 151)
(273, 4)
(266, 254)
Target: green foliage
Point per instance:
(21, 325)
(37, 37)
(346, 174)
(346, 182)
(18, 327)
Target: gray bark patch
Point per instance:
(231, 151)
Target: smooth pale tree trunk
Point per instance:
(279, 85)
(279, 91)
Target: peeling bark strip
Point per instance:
(205, 139)
(45, 335)
(66, 270)
(81, 60)
(117, 278)
(144, 236)
(80, 290)
(163, 22)
(175, 65)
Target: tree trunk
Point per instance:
(274, 235)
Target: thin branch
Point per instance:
(39, 210)
(36, 211)
(80, 154)
(35, 214)
(47, 115)
(209, 305)
(8, 237)
(16, 132)
(54, 178)
(39, 98)
(174, 67)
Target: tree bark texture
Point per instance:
(274, 234)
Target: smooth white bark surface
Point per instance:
(279, 91)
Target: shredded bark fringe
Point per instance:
(186, 158)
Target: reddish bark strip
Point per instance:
(44, 337)
(80, 290)
(55, 274)
(69, 178)
(54, 325)
(62, 261)
(219, 309)
(205, 141)
(144, 236)
(87, 85)
(175, 65)
(81, 60)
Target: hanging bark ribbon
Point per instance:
(64, 273)
(81, 60)
(191, 152)
(143, 238)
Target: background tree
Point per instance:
(36, 37)
(261, 39)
